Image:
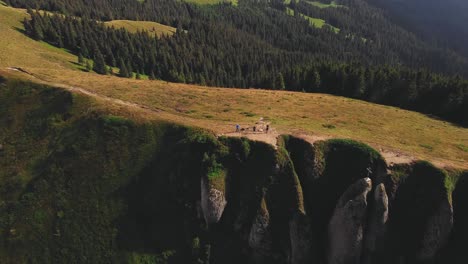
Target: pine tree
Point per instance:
(279, 82)
(360, 86)
(123, 72)
(80, 59)
(38, 34)
(27, 26)
(316, 81)
(84, 49)
(152, 76)
(99, 63)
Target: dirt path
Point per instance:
(391, 156)
(269, 138)
(84, 91)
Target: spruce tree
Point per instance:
(38, 33)
(99, 63)
(279, 82)
(80, 59)
(123, 71)
(316, 82)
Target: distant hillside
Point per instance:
(443, 22)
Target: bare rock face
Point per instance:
(302, 244)
(260, 238)
(213, 202)
(345, 230)
(437, 232)
(378, 216)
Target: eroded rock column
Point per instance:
(345, 230)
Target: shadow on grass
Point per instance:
(79, 66)
(20, 30)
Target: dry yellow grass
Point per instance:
(218, 109)
(153, 28)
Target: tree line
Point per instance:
(366, 35)
(237, 59)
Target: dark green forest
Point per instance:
(256, 44)
(441, 22)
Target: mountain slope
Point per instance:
(441, 22)
(101, 169)
(102, 188)
(220, 109)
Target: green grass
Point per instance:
(333, 4)
(212, 2)
(153, 28)
(462, 147)
(427, 146)
(315, 22)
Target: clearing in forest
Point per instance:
(332, 4)
(315, 22)
(212, 2)
(153, 28)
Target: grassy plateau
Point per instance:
(219, 109)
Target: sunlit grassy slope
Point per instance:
(219, 109)
(315, 22)
(211, 2)
(151, 27)
(332, 4)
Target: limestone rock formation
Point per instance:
(345, 230)
(378, 216)
(260, 237)
(213, 202)
(303, 246)
(437, 231)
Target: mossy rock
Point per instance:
(420, 193)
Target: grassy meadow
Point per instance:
(315, 22)
(332, 4)
(211, 2)
(218, 109)
(153, 28)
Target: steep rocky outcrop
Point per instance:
(420, 218)
(346, 228)
(212, 202)
(456, 249)
(260, 240)
(377, 219)
(99, 188)
(303, 240)
(437, 231)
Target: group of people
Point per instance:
(254, 128)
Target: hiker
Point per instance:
(237, 128)
(267, 128)
(254, 129)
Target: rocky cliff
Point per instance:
(79, 184)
